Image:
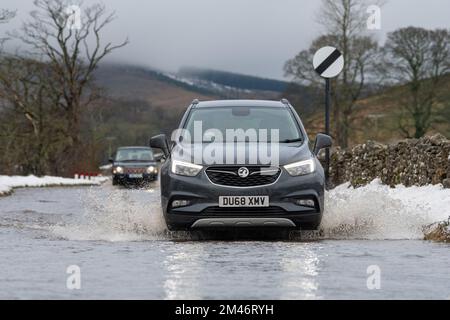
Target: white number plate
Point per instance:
(237, 202)
(136, 176)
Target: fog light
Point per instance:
(180, 203)
(306, 203)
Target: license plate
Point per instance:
(136, 176)
(244, 201)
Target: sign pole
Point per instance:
(327, 126)
(328, 62)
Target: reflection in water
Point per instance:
(289, 271)
(300, 269)
(181, 268)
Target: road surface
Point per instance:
(117, 238)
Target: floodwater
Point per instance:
(370, 248)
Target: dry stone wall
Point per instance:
(409, 162)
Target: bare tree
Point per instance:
(5, 16)
(344, 22)
(35, 124)
(419, 58)
(46, 91)
(72, 53)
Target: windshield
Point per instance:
(134, 155)
(245, 118)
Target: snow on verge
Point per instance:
(377, 211)
(8, 183)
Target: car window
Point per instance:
(134, 155)
(223, 118)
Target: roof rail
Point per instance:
(285, 101)
(195, 102)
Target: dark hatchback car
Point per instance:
(134, 165)
(196, 195)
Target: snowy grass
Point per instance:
(9, 183)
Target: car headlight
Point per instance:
(118, 170)
(151, 169)
(185, 168)
(301, 168)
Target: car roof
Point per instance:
(239, 103)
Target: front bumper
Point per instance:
(204, 212)
(126, 178)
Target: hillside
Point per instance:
(135, 83)
(377, 116)
(177, 90)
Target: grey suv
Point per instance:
(244, 191)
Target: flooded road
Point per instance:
(118, 239)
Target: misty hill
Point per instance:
(234, 80)
(168, 90)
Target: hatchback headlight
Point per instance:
(118, 170)
(185, 168)
(301, 168)
(151, 170)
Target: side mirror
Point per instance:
(158, 157)
(111, 160)
(323, 141)
(160, 142)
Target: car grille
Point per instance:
(228, 176)
(213, 211)
(134, 170)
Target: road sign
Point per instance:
(328, 62)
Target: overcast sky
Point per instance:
(247, 36)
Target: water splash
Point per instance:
(377, 211)
(117, 215)
(374, 212)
